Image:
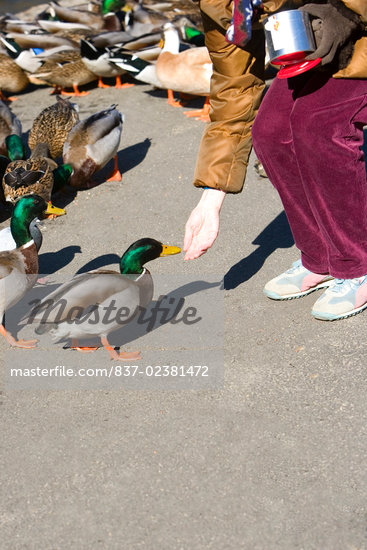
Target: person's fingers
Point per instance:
(200, 244)
(193, 254)
(330, 56)
(323, 49)
(195, 251)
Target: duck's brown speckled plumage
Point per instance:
(53, 125)
(65, 73)
(16, 185)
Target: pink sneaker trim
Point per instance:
(311, 280)
(361, 296)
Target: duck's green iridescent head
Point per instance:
(194, 36)
(142, 251)
(15, 147)
(26, 209)
(61, 176)
(109, 6)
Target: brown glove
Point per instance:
(333, 27)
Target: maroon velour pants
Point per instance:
(308, 135)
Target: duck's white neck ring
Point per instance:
(141, 274)
(28, 244)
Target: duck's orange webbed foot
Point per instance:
(25, 344)
(76, 92)
(120, 86)
(116, 174)
(115, 356)
(82, 349)
(202, 114)
(101, 84)
(171, 100)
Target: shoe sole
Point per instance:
(275, 296)
(332, 317)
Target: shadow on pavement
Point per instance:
(51, 262)
(276, 235)
(101, 261)
(131, 156)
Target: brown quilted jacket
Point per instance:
(236, 90)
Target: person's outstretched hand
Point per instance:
(202, 227)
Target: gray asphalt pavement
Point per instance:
(272, 458)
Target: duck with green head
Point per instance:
(88, 296)
(91, 144)
(19, 267)
(111, 6)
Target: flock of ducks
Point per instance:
(66, 48)
(159, 43)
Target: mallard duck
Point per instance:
(97, 61)
(31, 176)
(15, 147)
(63, 26)
(91, 143)
(141, 20)
(179, 9)
(19, 267)
(9, 124)
(188, 72)
(106, 19)
(19, 25)
(66, 71)
(52, 126)
(7, 241)
(12, 78)
(75, 15)
(94, 291)
(25, 59)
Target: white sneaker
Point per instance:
(296, 282)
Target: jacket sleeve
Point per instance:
(357, 67)
(235, 93)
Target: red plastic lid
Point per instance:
(290, 58)
(297, 68)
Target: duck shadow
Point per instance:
(157, 92)
(132, 156)
(51, 262)
(193, 101)
(97, 263)
(159, 313)
(64, 196)
(127, 159)
(275, 235)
